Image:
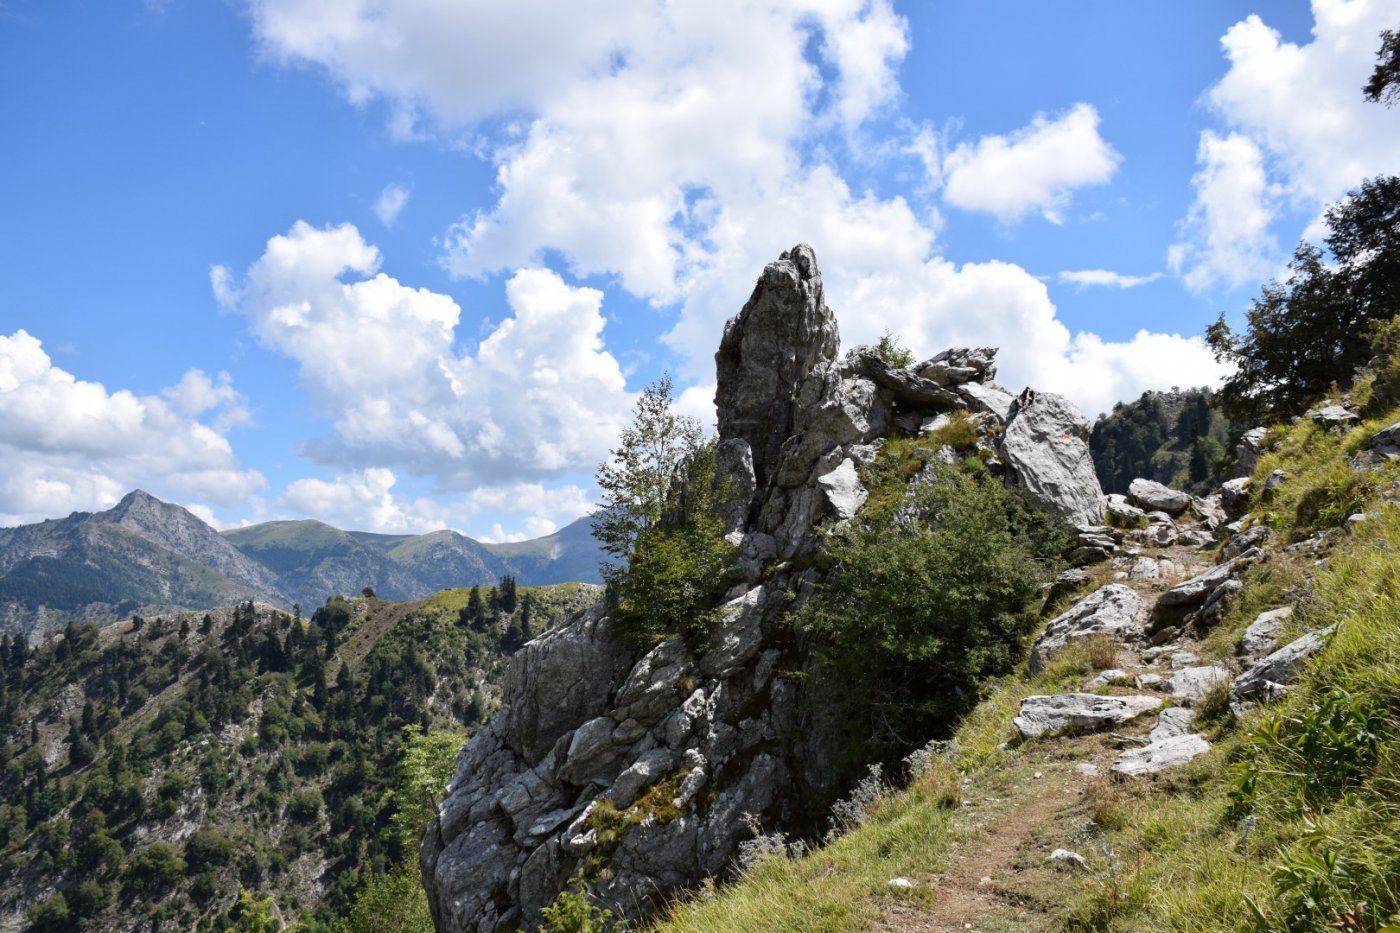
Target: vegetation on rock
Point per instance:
(661, 524)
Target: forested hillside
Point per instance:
(210, 770)
(1175, 437)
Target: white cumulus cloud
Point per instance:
(1227, 235)
(1035, 169)
(1298, 134)
(70, 444)
(540, 395)
(674, 148)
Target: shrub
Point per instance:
(305, 806)
(891, 351)
(573, 912)
(158, 865)
(208, 847)
(925, 600)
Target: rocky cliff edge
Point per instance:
(642, 775)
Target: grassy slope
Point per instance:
(1169, 854)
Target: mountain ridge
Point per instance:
(148, 556)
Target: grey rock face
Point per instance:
(1249, 538)
(1043, 715)
(984, 398)
(1383, 446)
(959, 366)
(1123, 513)
(1248, 450)
(1197, 589)
(1278, 669)
(1234, 496)
(1114, 610)
(1261, 636)
(1334, 416)
(783, 332)
(1190, 684)
(902, 383)
(557, 682)
(843, 489)
(1172, 722)
(1046, 445)
(1160, 755)
(1155, 497)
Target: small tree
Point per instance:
(639, 475)
(661, 521)
(893, 352)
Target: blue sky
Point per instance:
(405, 265)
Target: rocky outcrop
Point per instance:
(1160, 755)
(768, 350)
(1045, 715)
(1154, 497)
(1114, 610)
(1269, 676)
(1046, 445)
(1249, 450)
(657, 765)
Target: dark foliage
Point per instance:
(1315, 328)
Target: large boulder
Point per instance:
(1114, 610)
(1170, 752)
(1044, 715)
(1154, 497)
(1265, 678)
(1046, 445)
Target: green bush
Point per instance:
(208, 847)
(926, 599)
(573, 912)
(305, 806)
(158, 865)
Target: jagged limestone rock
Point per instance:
(1248, 451)
(1261, 637)
(1199, 588)
(1160, 755)
(1190, 684)
(843, 488)
(1234, 496)
(1171, 723)
(1278, 669)
(768, 349)
(1044, 715)
(1046, 444)
(989, 399)
(656, 766)
(959, 366)
(1154, 497)
(1115, 610)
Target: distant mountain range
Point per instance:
(148, 556)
